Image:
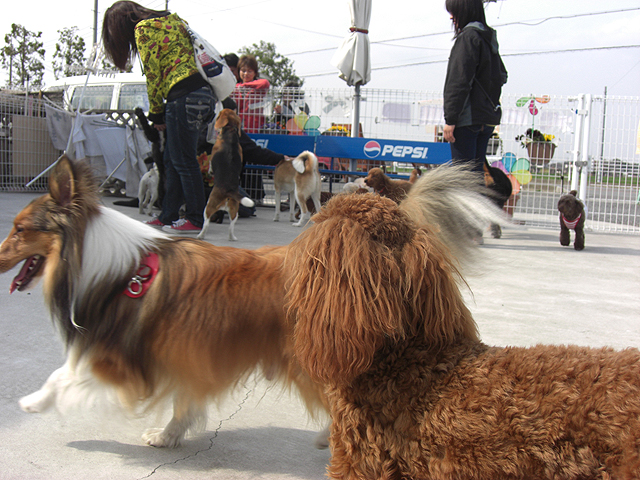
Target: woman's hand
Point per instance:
(161, 127)
(448, 133)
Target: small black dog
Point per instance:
(496, 180)
(572, 217)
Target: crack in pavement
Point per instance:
(211, 439)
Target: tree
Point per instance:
(23, 56)
(68, 58)
(277, 68)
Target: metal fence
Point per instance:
(592, 144)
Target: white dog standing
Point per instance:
(301, 177)
(148, 190)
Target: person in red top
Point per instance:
(250, 93)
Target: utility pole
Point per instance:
(95, 21)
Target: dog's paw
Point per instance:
(37, 402)
(158, 437)
(321, 442)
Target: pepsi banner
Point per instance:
(405, 151)
(292, 145)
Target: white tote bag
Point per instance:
(212, 66)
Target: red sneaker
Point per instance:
(154, 223)
(182, 226)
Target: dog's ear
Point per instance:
(62, 182)
(338, 295)
(364, 276)
(222, 119)
(73, 184)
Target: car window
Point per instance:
(96, 97)
(132, 96)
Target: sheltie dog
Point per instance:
(152, 316)
(301, 177)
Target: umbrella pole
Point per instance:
(355, 126)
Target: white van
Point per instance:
(119, 91)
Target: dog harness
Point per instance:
(144, 276)
(571, 224)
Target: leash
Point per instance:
(144, 276)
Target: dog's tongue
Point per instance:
(30, 267)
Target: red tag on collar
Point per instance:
(144, 276)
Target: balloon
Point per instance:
(312, 123)
(532, 108)
(522, 176)
(543, 99)
(522, 101)
(514, 185)
(522, 164)
(312, 132)
(508, 159)
(301, 119)
(500, 165)
(293, 128)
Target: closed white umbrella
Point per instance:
(352, 59)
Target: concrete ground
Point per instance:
(531, 290)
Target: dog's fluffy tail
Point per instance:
(247, 202)
(454, 199)
(305, 162)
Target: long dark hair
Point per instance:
(118, 30)
(465, 12)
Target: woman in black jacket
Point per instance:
(475, 75)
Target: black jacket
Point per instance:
(475, 75)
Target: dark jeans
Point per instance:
(470, 146)
(185, 118)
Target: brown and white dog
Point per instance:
(301, 177)
(396, 190)
(150, 315)
(226, 167)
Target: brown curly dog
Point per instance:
(396, 190)
(414, 394)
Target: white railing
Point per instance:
(596, 143)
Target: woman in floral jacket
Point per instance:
(181, 102)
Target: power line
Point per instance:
(430, 62)
(424, 35)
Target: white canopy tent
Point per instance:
(353, 59)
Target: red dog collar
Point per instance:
(143, 278)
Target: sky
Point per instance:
(550, 47)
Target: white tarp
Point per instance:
(352, 59)
(100, 140)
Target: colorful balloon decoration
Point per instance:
(293, 128)
(517, 169)
(312, 126)
(303, 124)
